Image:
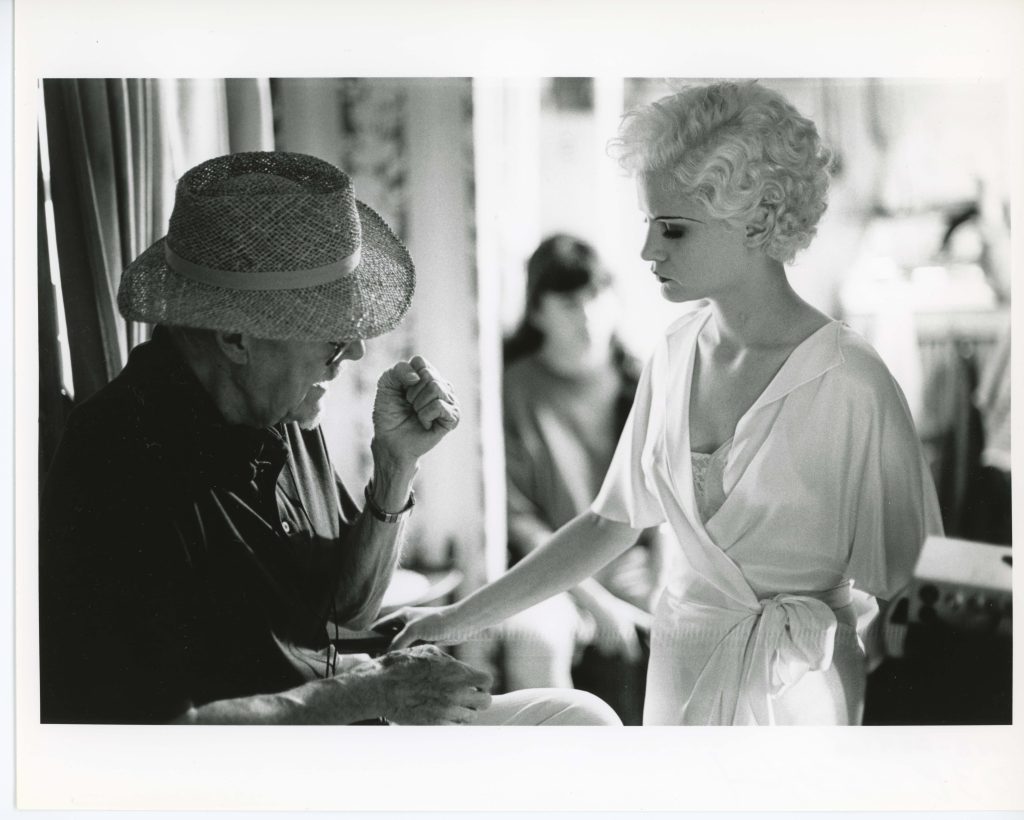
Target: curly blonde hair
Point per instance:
(740, 149)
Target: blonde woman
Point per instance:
(769, 437)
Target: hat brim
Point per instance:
(366, 303)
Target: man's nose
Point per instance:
(354, 351)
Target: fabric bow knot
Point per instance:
(796, 627)
(767, 651)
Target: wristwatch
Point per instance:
(382, 515)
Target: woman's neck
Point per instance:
(765, 312)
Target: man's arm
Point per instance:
(419, 686)
(374, 546)
(413, 410)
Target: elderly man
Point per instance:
(196, 547)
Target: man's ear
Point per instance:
(234, 346)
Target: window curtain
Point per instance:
(115, 148)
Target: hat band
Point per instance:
(262, 280)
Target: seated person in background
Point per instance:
(195, 543)
(568, 388)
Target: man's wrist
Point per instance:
(364, 689)
(392, 478)
(387, 516)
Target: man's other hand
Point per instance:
(413, 410)
(425, 686)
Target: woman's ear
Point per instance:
(234, 346)
(761, 223)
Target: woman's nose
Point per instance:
(650, 251)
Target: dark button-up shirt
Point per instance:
(182, 559)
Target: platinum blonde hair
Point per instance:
(740, 149)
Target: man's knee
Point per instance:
(545, 630)
(548, 707)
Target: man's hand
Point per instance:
(421, 686)
(413, 410)
(427, 687)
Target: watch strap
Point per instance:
(383, 515)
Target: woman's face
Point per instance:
(692, 254)
(576, 323)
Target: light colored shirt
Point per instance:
(825, 486)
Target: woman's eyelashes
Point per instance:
(670, 230)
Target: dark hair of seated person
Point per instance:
(563, 264)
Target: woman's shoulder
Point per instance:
(522, 377)
(521, 368)
(862, 371)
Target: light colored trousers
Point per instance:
(547, 707)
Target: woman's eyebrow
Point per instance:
(669, 218)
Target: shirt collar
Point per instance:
(812, 358)
(183, 417)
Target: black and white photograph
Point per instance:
(511, 427)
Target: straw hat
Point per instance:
(276, 245)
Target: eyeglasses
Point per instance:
(339, 350)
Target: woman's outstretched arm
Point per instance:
(574, 552)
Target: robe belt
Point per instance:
(767, 650)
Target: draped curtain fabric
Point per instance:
(55, 401)
(116, 148)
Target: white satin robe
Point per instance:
(828, 501)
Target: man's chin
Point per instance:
(308, 423)
(306, 415)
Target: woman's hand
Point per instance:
(434, 624)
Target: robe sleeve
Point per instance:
(627, 494)
(895, 505)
